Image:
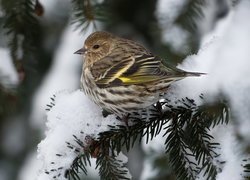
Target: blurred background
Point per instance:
(37, 42)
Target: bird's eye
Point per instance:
(96, 46)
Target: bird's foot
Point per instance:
(125, 119)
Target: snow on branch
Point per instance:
(77, 132)
(87, 12)
(196, 143)
(71, 117)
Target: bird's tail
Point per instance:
(194, 74)
(163, 84)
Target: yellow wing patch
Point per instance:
(124, 79)
(119, 72)
(138, 80)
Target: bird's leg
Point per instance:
(158, 106)
(92, 146)
(124, 118)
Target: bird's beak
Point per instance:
(80, 51)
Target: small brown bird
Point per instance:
(122, 76)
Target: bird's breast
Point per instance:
(118, 99)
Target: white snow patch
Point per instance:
(31, 167)
(224, 56)
(226, 60)
(64, 74)
(149, 172)
(156, 145)
(153, 149)
(73, 114)
(122, 159)
(8, 74)
(177, 37)
(166, 12)
(231, 152)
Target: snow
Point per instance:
(8, 74)
(167, 11)
(122, 159)
(149, 172)
(231, 152)
(224, 56)
(30, 168)
(73, 114)
(64, 73)
(226, 60)
(154, 149)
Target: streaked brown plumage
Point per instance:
(122, 76)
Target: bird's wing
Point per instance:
(134, 69)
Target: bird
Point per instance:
(121, 76)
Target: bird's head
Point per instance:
(96, 46)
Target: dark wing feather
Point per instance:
(110, 77)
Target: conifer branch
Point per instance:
(86, 12)
(191, 12)
(188, 143)
(246, 168)
(79, 165)
(111, 168)
(22, 28)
